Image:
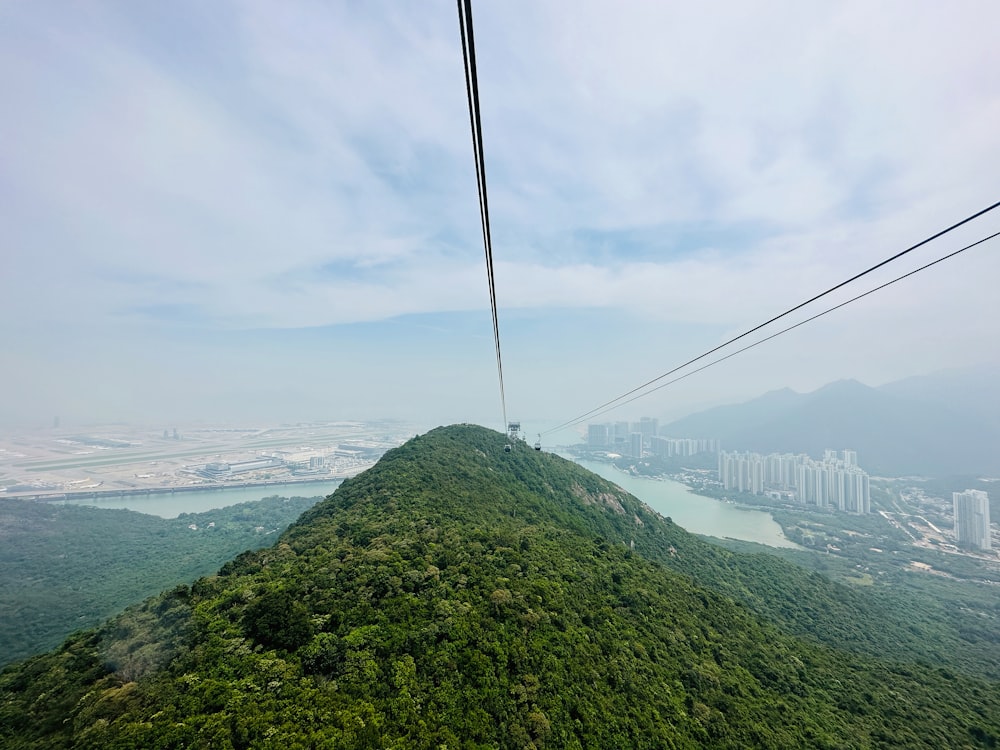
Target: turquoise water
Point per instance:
(170, 506)
(696, 513)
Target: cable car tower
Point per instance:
(513, 433)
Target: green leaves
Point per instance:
(67, 567)
(458, 596)
(276, 620)
(325, 655)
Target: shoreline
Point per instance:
(699, 514)
(55, 495)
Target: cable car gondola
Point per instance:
(538, 443)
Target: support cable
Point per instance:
(472, 89)
(615, 401)
(786, 330)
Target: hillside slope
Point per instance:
(66, 567)
(458, 596)
(972, 391)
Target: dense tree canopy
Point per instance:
(457, 596)
(66, 567)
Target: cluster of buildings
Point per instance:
(835, 482)
(642, 438)
(666, 447)
(220, 470)
(972, 519)
(303, 464)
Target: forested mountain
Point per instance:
(66, 567)
(895, 435)
(459, 596)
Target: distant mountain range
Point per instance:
(933, 425)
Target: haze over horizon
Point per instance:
(243, 211)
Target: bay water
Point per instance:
(167, 505)
(696, 513)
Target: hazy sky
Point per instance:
(260, 210)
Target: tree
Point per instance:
(277, 620)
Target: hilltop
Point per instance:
(459, 596)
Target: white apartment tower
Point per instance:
(635, 445)
(597, 436)
(972, 519)
(832, 482)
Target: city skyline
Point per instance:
(833, 482)
(644, 437)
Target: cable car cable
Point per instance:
(577, 420)
(472, 90)
(786, 330)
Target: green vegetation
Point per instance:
(943, 488)
(456, 596)
(66, 567)
(945, 622)
(949, 617)
(929, 618)
(854, 536)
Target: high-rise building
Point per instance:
(648, 426)
(597, 435)
(828, 483)
(618, 436)
(660, 446)
(972, 519)
(858, 498)
(757, 478)
(836, 486)
(635, 445)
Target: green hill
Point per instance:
(459, 596)
(66, 567)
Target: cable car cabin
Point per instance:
(538, 443)
(506, 448)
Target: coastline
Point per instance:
(62, 496)
(700, 514)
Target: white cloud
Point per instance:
(306, 165)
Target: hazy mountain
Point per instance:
(893, 435)
(974, 392)
(459, 596)
(719, 419)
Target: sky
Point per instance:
(250, 211)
